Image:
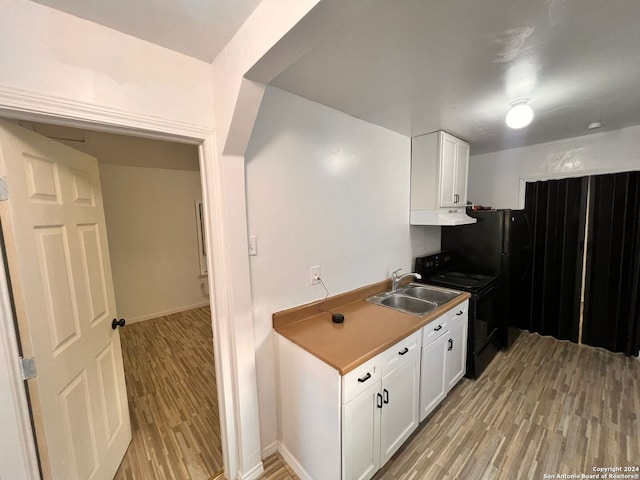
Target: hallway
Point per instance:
(171, 385)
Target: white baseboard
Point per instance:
(184, 308)
(269, 450)
(254, 473)
(293, 463)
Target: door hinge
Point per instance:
(4, 189)
(28, 368)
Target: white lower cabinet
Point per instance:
(361, 435)
(444, 356)
(456, 353)
(334, 427)
(432, 390)
(378, 421)
(400, 394)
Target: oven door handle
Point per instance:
(490, 289)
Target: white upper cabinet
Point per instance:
(439, 168)
(461, 167)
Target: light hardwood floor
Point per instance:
(543, 407)
(170, 377)
(276, 469)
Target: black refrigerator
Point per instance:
(498, 244)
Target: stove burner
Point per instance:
(462, 280)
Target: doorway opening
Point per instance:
(116, 172)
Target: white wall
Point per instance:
(15, 427)
(46, 54)
(495, 179)
(327, 189)
(54, 53)
(55, 63)
(151, 226)
(236, 104)
(123, 149)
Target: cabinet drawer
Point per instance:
(458, 314)
(358, 380)
(435, 329)
(400, 353)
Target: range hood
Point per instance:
(441, 216)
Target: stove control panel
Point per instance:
(433, 264)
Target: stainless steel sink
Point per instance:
(438, 297)
(415, 299)
(409, 304)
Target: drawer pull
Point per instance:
(365, 378)
(460, 312)
(404, 352)
(378, 400)
(439, 327)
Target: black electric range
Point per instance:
(484, 308)
(468, 282)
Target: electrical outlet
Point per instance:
(315, 274)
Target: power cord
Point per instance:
(335, 317)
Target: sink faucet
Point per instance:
(395, 280)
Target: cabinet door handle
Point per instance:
(456, 198)
(450, 344)
(378, 400)
(460, 312)
(386, 395)
(365, 378)
(404, 352)
(439, 327)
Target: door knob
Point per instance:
(117, 323)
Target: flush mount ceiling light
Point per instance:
(520, 114)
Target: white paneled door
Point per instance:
(55, 232)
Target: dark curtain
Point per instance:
(556, 212)
(612, 295)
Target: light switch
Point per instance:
(253, 245)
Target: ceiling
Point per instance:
(197, 28)
(416, 66)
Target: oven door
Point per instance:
(485, 316)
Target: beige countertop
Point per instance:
(368, 329)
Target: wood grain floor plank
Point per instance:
(543, 406)
(170, 374)
(276, 469)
